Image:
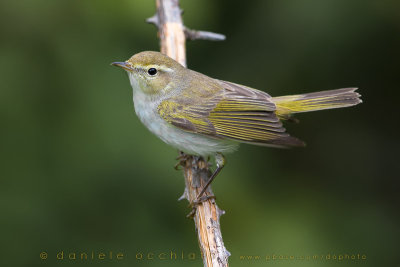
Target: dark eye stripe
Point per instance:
(152, 71)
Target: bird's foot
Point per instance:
(182, 158)
(195, 203)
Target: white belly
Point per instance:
(190, 143)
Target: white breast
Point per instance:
(195, 144)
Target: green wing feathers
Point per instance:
(338, 98)
(260, 128)
(236, 112)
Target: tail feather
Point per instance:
(339, 98)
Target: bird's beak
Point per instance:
(124, 65)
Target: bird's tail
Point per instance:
(339, 98)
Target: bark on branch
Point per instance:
(206, 215)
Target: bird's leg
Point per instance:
(220, 162)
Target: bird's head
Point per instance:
(151, 72)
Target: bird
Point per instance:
(204, 116)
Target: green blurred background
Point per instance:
(80, 173)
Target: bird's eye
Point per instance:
(152, 71)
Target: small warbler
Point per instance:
(200, 115)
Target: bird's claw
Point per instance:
(182, 158)
(196, 203)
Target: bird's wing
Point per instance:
(230, 111)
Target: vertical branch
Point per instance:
(196, 171)
(171, 30)
(206, 215)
